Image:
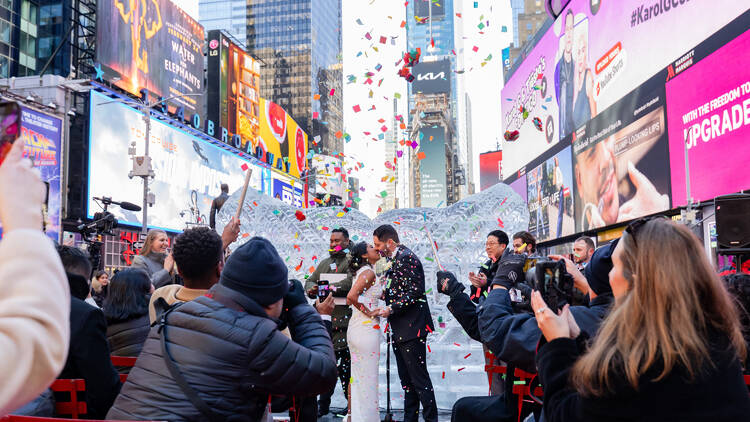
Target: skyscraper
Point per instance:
(229, 15)
(299, 45)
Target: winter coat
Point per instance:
(232, 355)
(89, 358)
(405, 293)
(100, 296)
(126, 337)
(718, 394)
(341, 313)
(153, 264)
(513, 338)
(34, 310)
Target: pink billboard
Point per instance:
(708, 111)
(595, 53)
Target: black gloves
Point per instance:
(510, 270)
(452, 286)
(295, 296)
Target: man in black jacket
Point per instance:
(409, 319)
(89, 355)
(513, 337)
(220, 357)
(216, 205)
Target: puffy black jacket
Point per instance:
(233, 355)
(126, 337)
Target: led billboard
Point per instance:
(153, 45)
(282, 140)
(233, 84)
(592, 56)
(426, 8)
(708, 111)
(550, 198)
(432, 77)
(432, 168)
(490, 169)
(188, 170)
(328, 175)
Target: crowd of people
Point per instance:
(651, 333)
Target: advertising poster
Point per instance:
(490, 169)
(592, 56)
(328, 178)
(233, 86)
(432, 77)
(151, 44)
(550, 198)
(42, 135)
(432, 167)
(288, 194)
(620, 162)
(283, 141)
(708, 111)
(188, 171)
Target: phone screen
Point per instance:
(323, 290)
(10, 122)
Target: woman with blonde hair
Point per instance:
(154, 260)
(670, 349)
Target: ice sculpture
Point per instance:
(456, 362)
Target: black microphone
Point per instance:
(129, 206)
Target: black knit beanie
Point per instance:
(597, 271)
(256, 270)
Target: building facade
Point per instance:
(299, 45)
(19, 32)
(529, 16)
(229, 15)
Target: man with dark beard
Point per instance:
(337, 263)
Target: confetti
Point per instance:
(467, 356)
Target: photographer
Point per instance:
(513, 337)
(223, 354)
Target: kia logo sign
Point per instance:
(430, 76)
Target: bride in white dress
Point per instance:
(364, 334)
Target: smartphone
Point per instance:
(10, 126)
(323, 289)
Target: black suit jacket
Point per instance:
(88, 358)
(405, 294)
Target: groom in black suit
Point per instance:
(409, 318)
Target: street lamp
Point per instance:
(142, 165)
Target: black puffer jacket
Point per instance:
(126, 337)
(232, 355)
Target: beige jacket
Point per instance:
(34, 316)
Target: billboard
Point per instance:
(592, 56)
(233, 90)
(188, 171)
(550, 198)
(151, 45)
(620, 161)
(432, 167)
(288, 192)
(519, 187)
(422, 9)
(282, 141)
(42, 135)
(328, 175)
(432, 77)
(708, 111)
(490, 169)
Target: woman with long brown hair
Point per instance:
(153, 259)
(670, 349)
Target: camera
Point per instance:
(552, 280)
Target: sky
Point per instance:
(384, 18)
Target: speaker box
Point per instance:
(733, 223)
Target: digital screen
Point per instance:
(519, 187)
(593, 55)
(432, 77)
(188, 170)
(151, 44)
(708, 111)
(550, 197)
(328, 175)
(490, 169)
(422, 9)
(432, 167)
(283, 141)
(288, 194)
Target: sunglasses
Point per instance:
(636, 225)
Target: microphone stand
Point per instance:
(388, 414)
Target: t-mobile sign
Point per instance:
(708, 109)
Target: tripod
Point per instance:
(388, 414)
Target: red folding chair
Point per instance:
(490, 368)
(523, 390)
(123, 361)
(74, 407)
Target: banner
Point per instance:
(282, 140)
(620, 161)
(490, 169)
(432, 77)
(188, 171)
(151, 44)
(708, 111)
(288, 194)
(550, 198)
(432, 167)
(592, 56)
(42, 135)
(233, 91)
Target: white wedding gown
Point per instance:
(364, 337)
